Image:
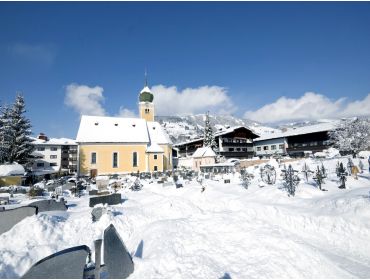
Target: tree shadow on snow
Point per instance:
(139, 250)
(226, 276)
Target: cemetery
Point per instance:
(143, 225)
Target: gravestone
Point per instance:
(102, 184)
(116, 257)
(68, 186)
(49, 205)
(93, 192)
(10, 217)
(112, 199)
(59, 190)
(97, 212)
(65, 264)
(167, 184)
(4, 200)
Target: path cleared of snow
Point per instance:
(226, 231)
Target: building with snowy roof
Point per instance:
(295, 141)
(114, 145)
(233, 142)
(203, 156)
(53, 155)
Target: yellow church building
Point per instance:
(113, 145)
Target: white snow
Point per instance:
(154, 148)
(96, 129)
(145, 89)
(300, 130)
(53, 141)
(204, 152)
(224, 231)
(11, 169)
(157, 134)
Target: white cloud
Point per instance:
(126, 113)
(358, 108)
(85, 100)
(171, 101)
(310, 106)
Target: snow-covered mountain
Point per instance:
(186, 128)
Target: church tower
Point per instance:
(146, 106)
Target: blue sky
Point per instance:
(262, 60)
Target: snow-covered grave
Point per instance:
(212, 229)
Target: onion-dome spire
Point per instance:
(146, 95)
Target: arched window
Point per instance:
(134, 159)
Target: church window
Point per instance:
(134, 159)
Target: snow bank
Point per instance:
(222, 230)
(364, 154)
(11, 169)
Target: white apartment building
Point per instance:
(54, 155)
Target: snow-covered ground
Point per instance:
(225, 231)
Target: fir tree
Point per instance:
(209, 139)
(20, 146)
(5, 134)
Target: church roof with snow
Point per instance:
(97, 129)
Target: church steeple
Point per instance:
(146, 106)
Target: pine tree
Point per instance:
(20, 146)
(5, 134)
(209, 139)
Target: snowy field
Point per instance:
(225, 231)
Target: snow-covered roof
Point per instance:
(219, 133)
(11, 169)
(204, 152)
(154, 148)
(145, 89)
(157, 134)
(53, 141)
(299, 131)
(97, 129)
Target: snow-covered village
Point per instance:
(228, 174)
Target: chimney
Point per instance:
(42, 136)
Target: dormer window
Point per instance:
(133, 125)
(96, 123)
(146, 111)
(116, 124)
